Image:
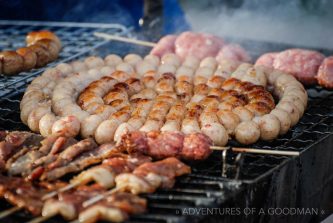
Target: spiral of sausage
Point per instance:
(107, 98)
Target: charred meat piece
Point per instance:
(73, 151)
(69, 204)
(105, 173)
(14, 142)
(84, 160)
(115, 208)
(49, 146)
(150, 176)
(21, 193)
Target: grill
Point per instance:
(225, 179)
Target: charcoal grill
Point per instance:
(258, 181)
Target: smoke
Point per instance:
(304, 23)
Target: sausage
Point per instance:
(35, 36)
(213, 129)
(325, 73)
(269, 127)
(66, 126)
(291, 109)
(12, 62)
(112, 60)
(43, 56)
(284, 119)
(247, 132)
(229, 120)
(171, 58)
(50, 46)
(29, 58)
(132, 59)
(46, 123)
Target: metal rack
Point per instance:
(207, 186)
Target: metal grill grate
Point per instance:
(206, 186)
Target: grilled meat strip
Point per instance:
(84, 160)
(24, 194)
(49, 146)
(105, 173)
(16, 141)
(115, 208)
(69, 204)
(150, 176)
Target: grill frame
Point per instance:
(314, 129)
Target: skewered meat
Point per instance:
(195, 146)
(50, 146)
(14, 142)
(115, 208)
(21, 193)
(325, 73)
(105, 173)
(82, 161)
(12, 62)
(150, 176)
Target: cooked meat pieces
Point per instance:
(325, 73)
(21, 193)
(168, 144)
(14, 142)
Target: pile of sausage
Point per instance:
(200, 45)
(106, 98)
(42, 48)
(309, 67)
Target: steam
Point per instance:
(281, 21)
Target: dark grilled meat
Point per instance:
(14, 142)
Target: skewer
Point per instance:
(124, 39)
(99, 197)
(63, 189)
(40, 219)
(9, 211)
(258, 151)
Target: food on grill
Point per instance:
(24, 194)
(233, 52)
(301, 63)
(146, 177)
(159, 145)
(165, 94)
(325, 73)
(266, 59)
(105, 173)
(190, 46)
(42, 48)
(197, 44)
(14, 142)
(165, 45)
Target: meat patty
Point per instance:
(266, 59)
(303, 64)
(197, 44)
(165, 45)
(325, 73)
(233, 52)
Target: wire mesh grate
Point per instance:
(209, 185)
